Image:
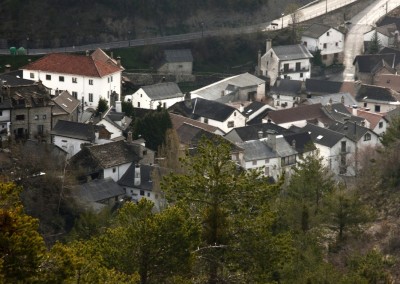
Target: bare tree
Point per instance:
(295, 18)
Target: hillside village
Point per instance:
(70, 115)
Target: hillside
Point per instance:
(45, 23)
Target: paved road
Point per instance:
(360, 24)
(309, 11)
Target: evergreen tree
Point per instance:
(102, 106)
(375, 45)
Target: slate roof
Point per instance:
(30, 96)
(292, 52)
(375, 93)
(14, 79)
(67, 102)
(251, 132)
(178, 55)
(303, 141)
(387, 50)
(252, 108)
(98, 190)
(389, 20)
(367, 62)
(146, 183)
(259, 118)
(178, 120)
(339, 112)
(214, 91)
(387, 30)
(163, 91)
(323, 136)
(257, 150)
(77, 130)
(316, 30)
(287, 87)
(335, 98)
(72, 64)
(317, 86)
(392, 114)
(372, 117)
(203, 108)
(351, 130)
(302, 112)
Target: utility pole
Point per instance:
(326, 6)
(282, 19)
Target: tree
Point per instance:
(22, 248)
(102, 106)
(127, 108)
(375, 45)
(224, 201)
(295, 18)
(392, 133)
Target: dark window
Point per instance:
(325, 45)
(61, 78)
(114, 170)
(1, 112)
(286, 67)
(301, 75)
(367, 137)
(324, 57)
(337, 44)
(298, 66)
(20, 117)
(327, 33)
(343, 146)
(377, 108)
(254, 163)
(142, 192)
(40, 129)
(205, 120)
(90, 97)
(381, 124)
(74, 80)
(32, 75)
(231, 124)
(48, 77)
(138, 104)
(336, 55)
(75, 95)
(90, 82)
(365, 104)
(305, 43)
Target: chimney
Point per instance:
(87, 52)
(294, 144)
(7, 68)
(119, 61)
(188, 100)
(136, 180)
(259, 63)
(129, 138)
(112, 55)
(271, 141)
(118, 106)
(241, 108)
(354, 112)
(260, 134)
(268, 45)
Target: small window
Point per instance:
(365, 104)
(267, 171)
(327, 33)
(305, 43)
(377, 108)
(254, 163)
(266, 161)
(336, 55)
(301, 75)
(324, 57)
(148, 194)
(111, 78)
(90, 81)
(205, 120)
(325, 45)
(234, 114)
(36, 117)
(231, 124)
(90, 97)
(61, 78)
(138, 104)
(65, 141)
(44, 116)
(367, 137)
(20, 117)
(114, 170)
(142, 192)
(1, 113)
(74, 80)
(75, 95)
(380, 124)
(32, 75)
(337, 44)
(48, 77)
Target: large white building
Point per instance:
(87, 78)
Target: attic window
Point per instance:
(388, 81)
(367, 137)
(327, 33)
(48, 77)
(319, 137)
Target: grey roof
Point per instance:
(257, 150)
(367, 62)
(114, 117)
(375, 93)
(203, 108)
(283, 148)
(389, 20)
(316, 30)
(214, 91)
(323, 136)
(347, 99)
(146, 183)
(392, 114)
(98, 190)
(178, 55)
(252, 108)
(287, 87)
(351, 130)
(302, 140)
(252, 132)
(162, 91)
(292, 52)
(339, 113)
(67, 102)
(14, 79)
(386, 50)
(75, 130)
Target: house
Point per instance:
(137, 183)
(242, 87)
(344, 98)
(110, 159)
(377, 99)
(370, 65)
(88, 78)
(298, 116)
(337, 150)
(31, 112)
(318, 87)
(66, 107)
(286, 93)
(285, 61)
(179, 120)
(377, 122)
(387, 35)
(98, 194)
(328, 40)
(254, 132)
(115, 122)
(210, 112)
(151, 96)
(255, 111)
(176, 62)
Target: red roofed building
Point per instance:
(87, 78)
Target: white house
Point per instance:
(376, 122)
(328, 40)
(213, 113)
(286, 93)
(285, 61)
(377, 99)
(151, 96)
(87, 78)
(387, 35)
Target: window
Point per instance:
(20, 117)
(324, 57)
(336, 55)
(108, 80)
(31, 75)
(367, 137)
(234, 114)
(75, 95)
(164, 105)
(231, 124)
(254, 163)
(36, 117)
(365, 104)
(301, 75)
(380, 124)
(325, 45)
(337, 44)
(90, 97)
(305, 43)
(40, 129)
(327, 33)
(343, 147)
(286, 67)
(74, 80)
(65, 141)
(377, 108)
(61, 78)
(1, 113)
(266, 161)
(114, 170)
(90, 81)
(267, 171)
(44, 116)
(142, 192)
(205, 120)
(138, 104)
(48, 77)
(148, 194)
(289, 160)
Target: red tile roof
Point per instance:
(72, 64)
(372, 117)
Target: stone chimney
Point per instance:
(294, 144)
(188, 100)
(118, 106)
(87, 53)
(268, 45)
(119, 61)
(7, 68)
(241, 108)
(260, 134)
(271, 139)
(137, 179)
(354, 110)
(129, 138)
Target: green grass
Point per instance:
(16, 61)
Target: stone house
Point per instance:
(176, 62)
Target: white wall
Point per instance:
(238, 119)
(385, 107)
(115, 132)
(117, 173)
(140, 99)
(334, 42)
(289, 100)
(71, 145)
